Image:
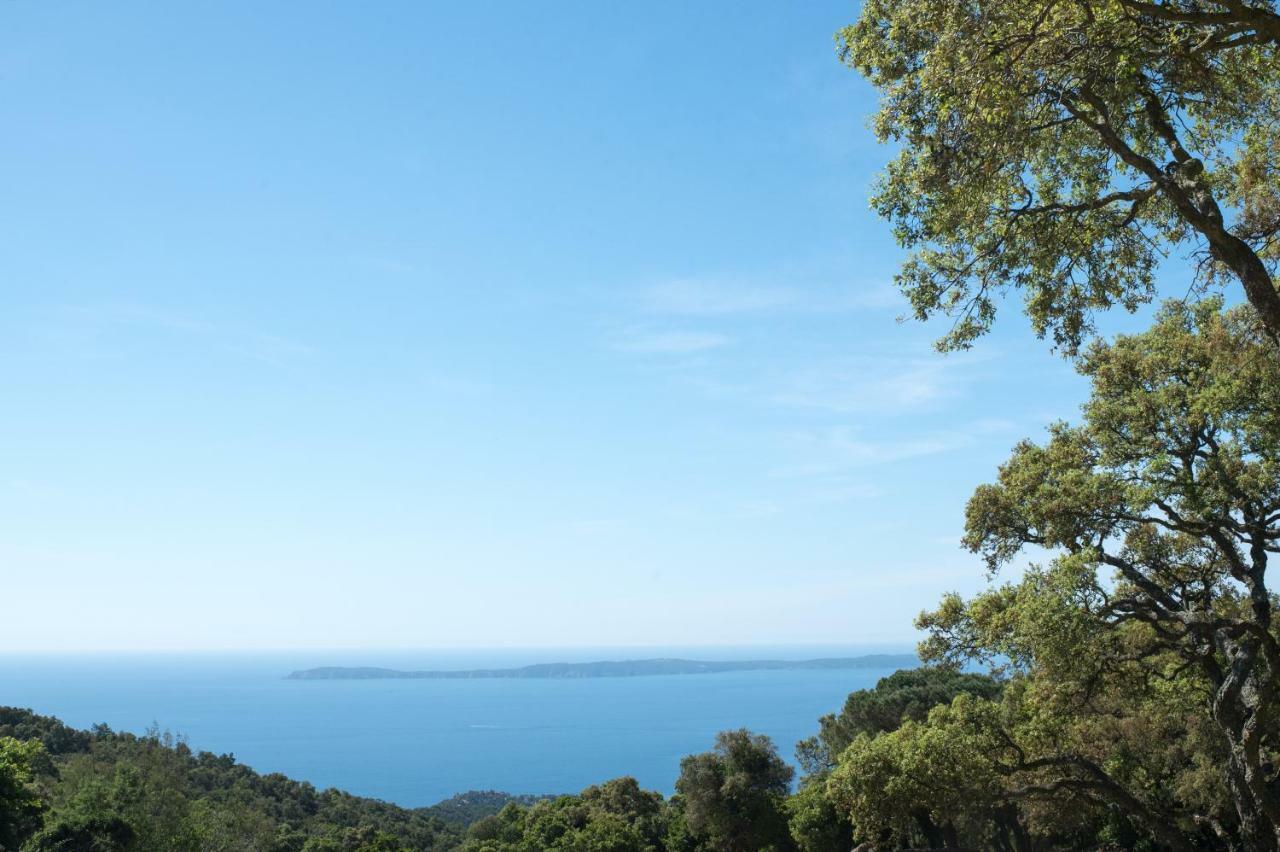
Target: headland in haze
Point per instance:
(611, 668)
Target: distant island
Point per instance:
(613, 668)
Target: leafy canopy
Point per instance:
(20, 804)
(1060, 148)
(1161, 511)
(905, 695)
(734, 794)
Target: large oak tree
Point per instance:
(1162, 510)
(1062, 147)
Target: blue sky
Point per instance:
(493, 324)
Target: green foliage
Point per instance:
(110, 792)
(616, 816)
(116, 792)
(1144, 655)
(815, 823)
(908, 694)
(1057, 149)
(464, 809)
(734, 795)
(56, 737)
(933, 778)
(20, 803)
(79, 833)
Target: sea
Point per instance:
(416, 742)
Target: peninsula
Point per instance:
(613, 668)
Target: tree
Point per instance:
(928, 780)
(20, 804)
(84, 834)
(617, 816)
(643, 811)
(57, 738)
(1161, 509)
(1057, 148)
(111, 792)
(734, 795)
(816, 824)
(908, 694)
(1045, 766)
(502, 830)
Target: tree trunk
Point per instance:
(1259, 288)
(1010, 823)
(1237, 710)
(929, 829)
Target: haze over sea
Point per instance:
(415, 742)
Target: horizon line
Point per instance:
(373, 649)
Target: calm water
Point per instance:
(415, 742)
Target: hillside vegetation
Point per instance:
(105, 791)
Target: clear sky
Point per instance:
(472, 324)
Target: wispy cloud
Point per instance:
(701, 297)
(783, 292)
(841, 447)
(886, 383)
(829, 451)
(871, 383)
(674, 342)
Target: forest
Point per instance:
(1116, 684)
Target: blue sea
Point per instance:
(415, 742)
